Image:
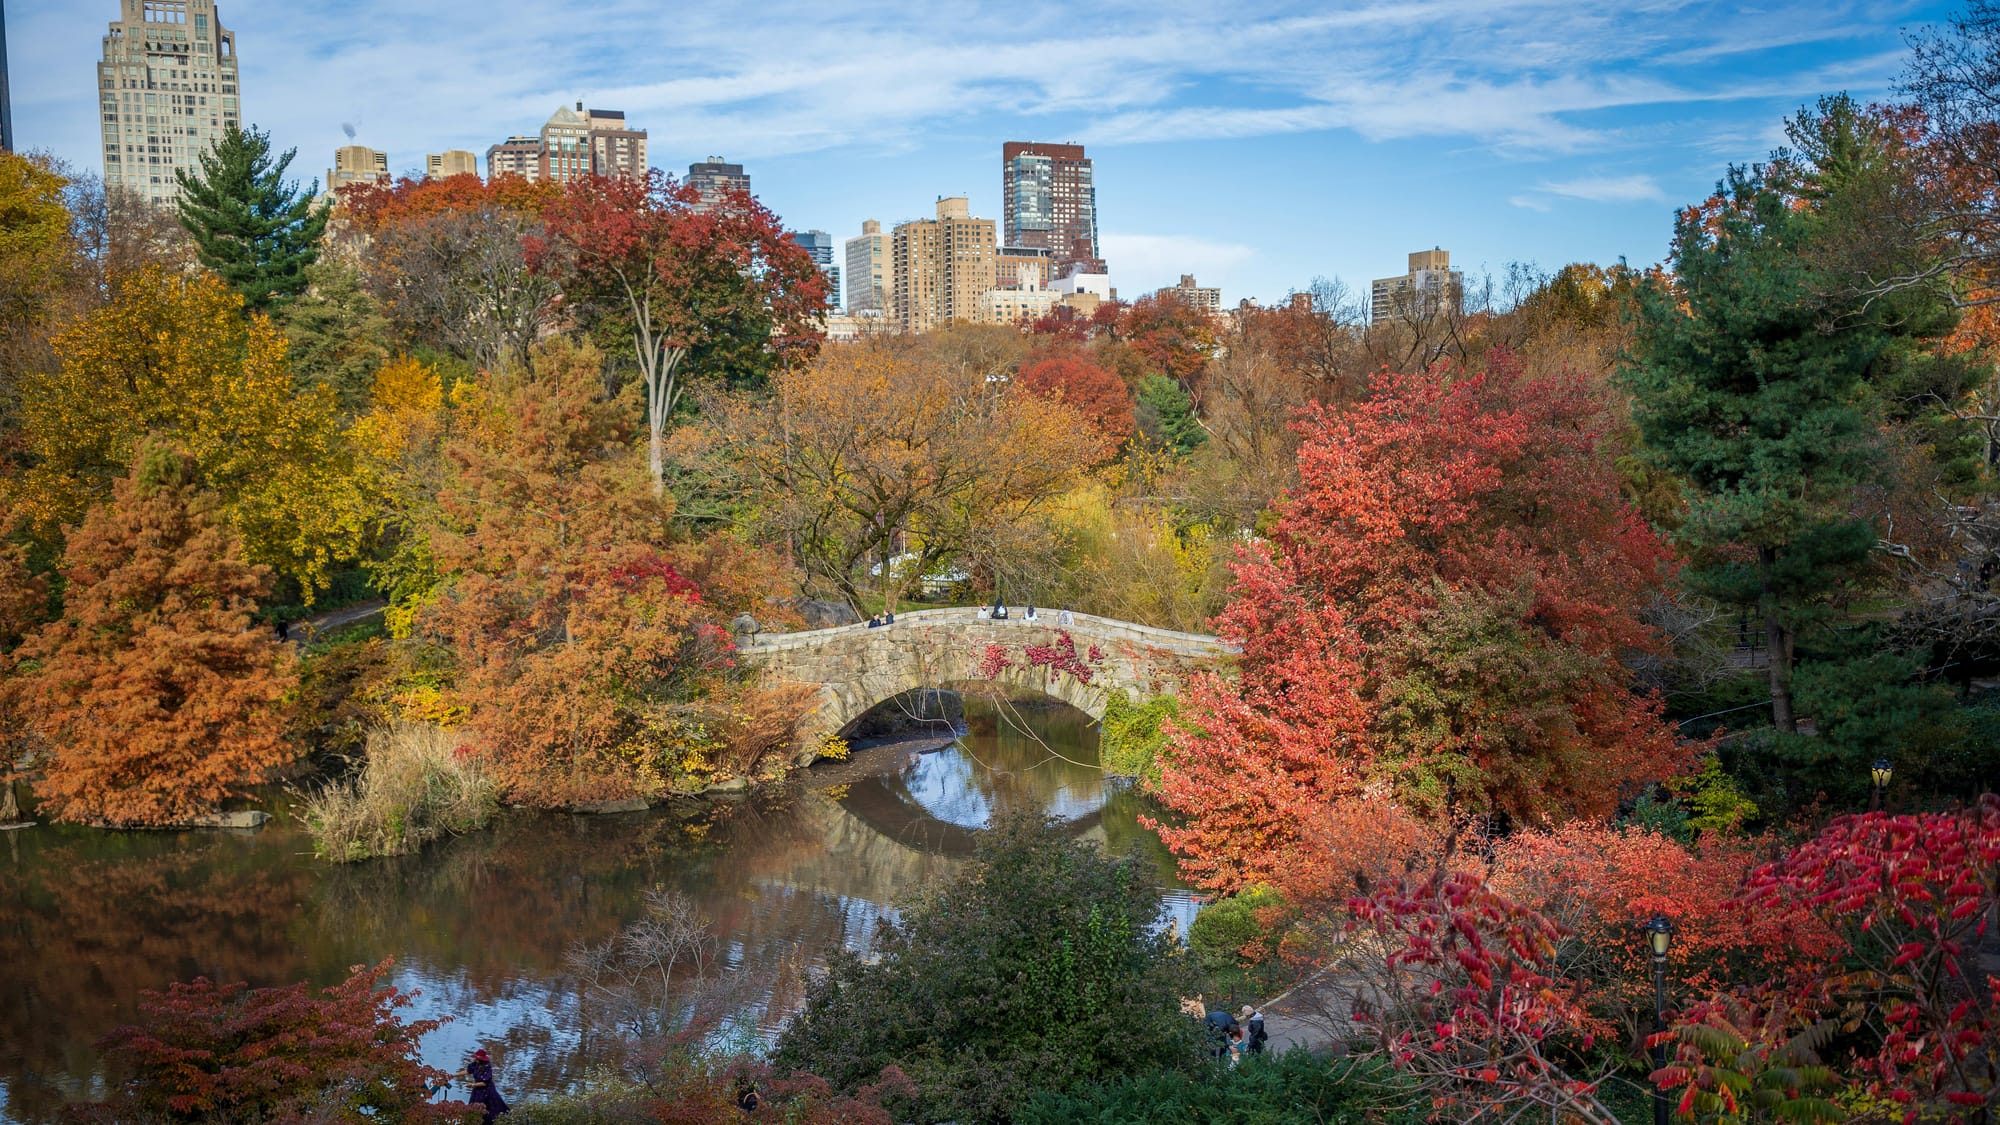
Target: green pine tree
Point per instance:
(257, 232)
(1762, 375)
(1166, 415)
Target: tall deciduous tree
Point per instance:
(719, 288)
(173, 355)
(876, 450)
(256, 231)
(1438, 619)
(592, 667)
(153, 695)
(447, 260)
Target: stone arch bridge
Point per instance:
(856, 667)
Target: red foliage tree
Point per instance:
(1908, 898)
(153, 697)
(375, 206)
(1601, 884)
(722, 282)
(1176, 339)
(204, 1052)
(1437, 619)
(1097, 394)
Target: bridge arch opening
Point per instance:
(1005, 755)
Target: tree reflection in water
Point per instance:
(481, 925)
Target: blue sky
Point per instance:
(1256, 145)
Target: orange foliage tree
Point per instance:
(583, 653)
(1437, 620)
(1097, 394)
(152, 696)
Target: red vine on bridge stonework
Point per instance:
(1060, 657)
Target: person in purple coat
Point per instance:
(478, 1075)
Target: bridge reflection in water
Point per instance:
(480, 924)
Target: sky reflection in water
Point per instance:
(479, 925)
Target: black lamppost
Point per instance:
(1881, 771)
(1659, 935)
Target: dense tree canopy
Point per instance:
(174, 356)
(1438, 621)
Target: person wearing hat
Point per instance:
(478, 1075)
(1253, 1026)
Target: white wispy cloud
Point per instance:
(1606, 189)
(1144, 262)
(1525, 77)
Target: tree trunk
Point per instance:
(1778, 646)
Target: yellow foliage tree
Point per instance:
(173, 355)
(400, 442)
(878, 449)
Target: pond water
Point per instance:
(479, 925)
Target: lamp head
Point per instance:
(1881, 771)
(1659, 935)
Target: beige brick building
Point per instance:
(1205, 299)
(449, 163)
(357, 164)
(942, 266)
(1430, 287)
(615, 149)
(166, 90)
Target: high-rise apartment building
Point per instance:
(942, 266)
(357, 164)
(1430, 287)
(566, 145)
(1049, 201)
(515, 156)
(451, 162)
(819, 246)
(871, 276)
(615, 148)
(714, 178)
(1208, 300)
(166, 90)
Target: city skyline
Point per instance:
(1254, 152)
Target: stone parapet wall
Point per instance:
(856, 667)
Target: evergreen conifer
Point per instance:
(257, 232)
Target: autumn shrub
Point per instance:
(414, 787)
(1908, 1022)
(235, 1055)
(1133, 735)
